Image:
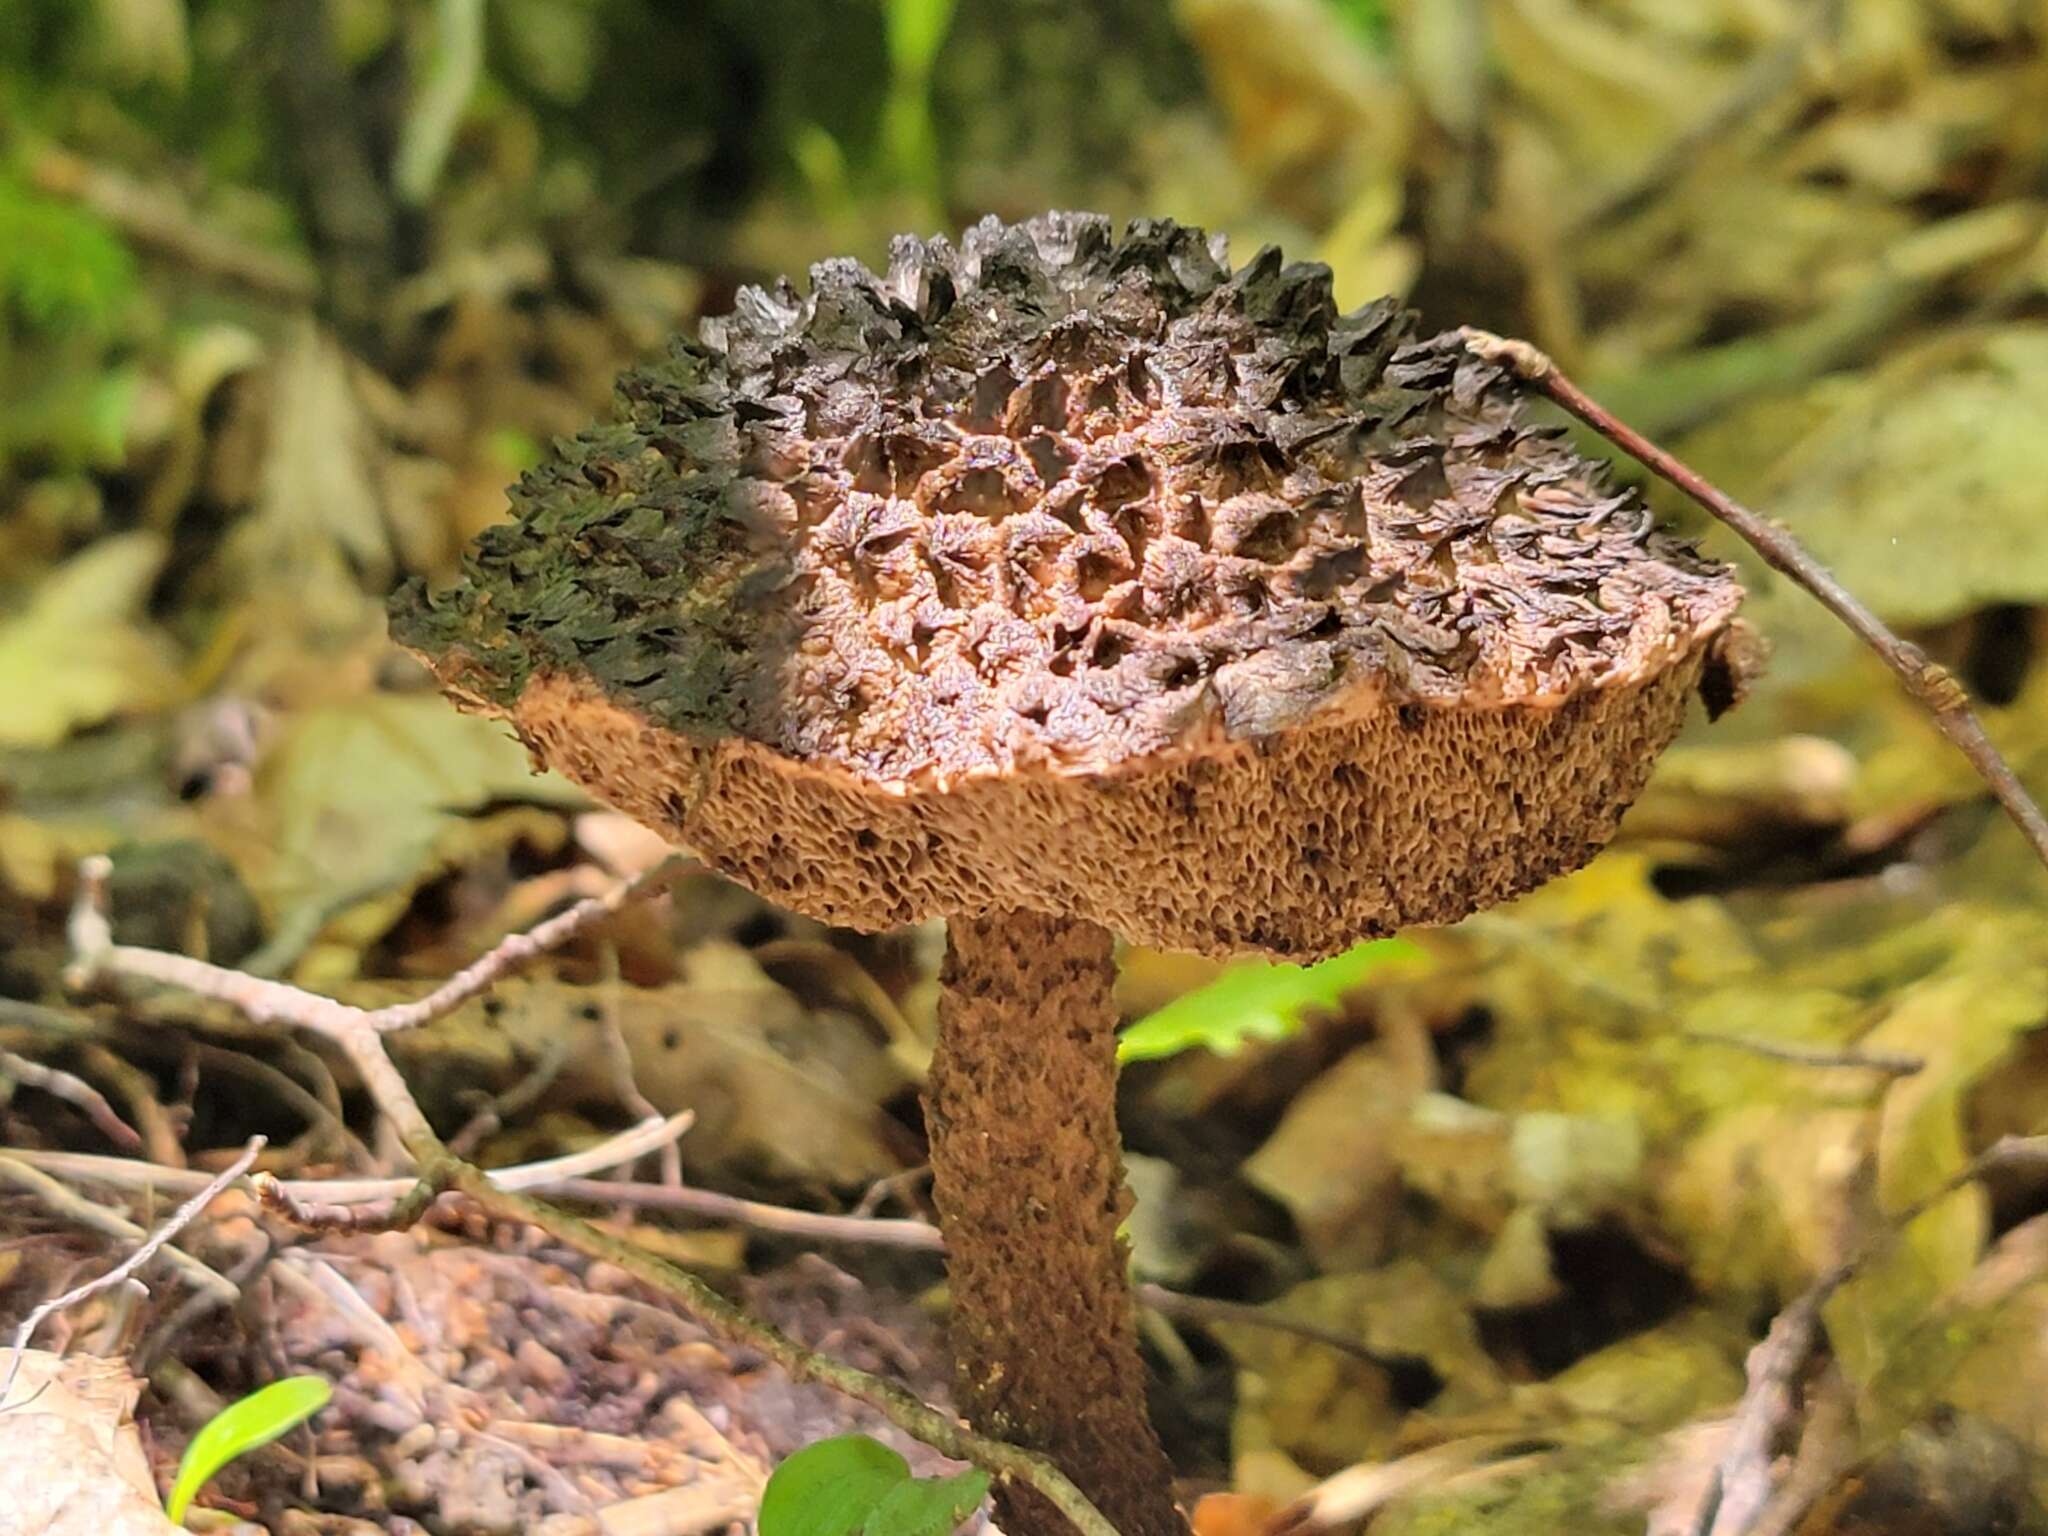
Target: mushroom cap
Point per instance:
(1082, 575)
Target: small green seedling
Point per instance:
(1257, 1000)
(856, 1486)
(240, 1427)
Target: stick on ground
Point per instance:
(179, 1219)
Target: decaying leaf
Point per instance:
(1305, 1409)
(1331, 1161)
(359, 790)
(75, 655)
(779, 1092)
(1916, 481)
(71, 1458)
(318, 543)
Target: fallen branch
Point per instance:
(1931, 684)
(1745, 1479)
(178, 1220)
(158, 220)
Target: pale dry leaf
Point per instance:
(71, 1459)
(1331, 1161)
(318, 545)
(76, 655)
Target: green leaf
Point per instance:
(916, 30)
(830, 1488)
(61, 268)
(240, 1427)
(1256, 1000)
(928, 1506)
(1368, 18)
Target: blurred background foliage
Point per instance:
(290, 289)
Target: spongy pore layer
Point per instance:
(1295, 847)
(1081, 574)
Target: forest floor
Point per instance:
(1477, 1230)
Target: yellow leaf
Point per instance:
(75, 656)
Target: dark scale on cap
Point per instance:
(1054, 507)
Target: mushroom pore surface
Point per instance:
(1079, 574)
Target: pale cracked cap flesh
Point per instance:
(1081, 574)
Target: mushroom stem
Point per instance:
(1027, 1170)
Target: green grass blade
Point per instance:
(241, 1427)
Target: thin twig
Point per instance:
(1745, 1481)
(395, 1215)
(619, 1059)
(1245, 1314)
(548, 1175)
(354, 1030)
(1890, 1063)
(521, 1096)
(897, 1185)
(202, 1304)
(18, 1169)
(1931, 684)
(179, 1219)
(812, 1226)
(511, 953)
(75, 1091)
(160, 1129)
(368, 1205)
(321, 1121)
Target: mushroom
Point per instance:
(1066, 586)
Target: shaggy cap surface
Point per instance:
(970, 549)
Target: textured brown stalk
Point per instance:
(1027, 1170)
(1926, 680)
